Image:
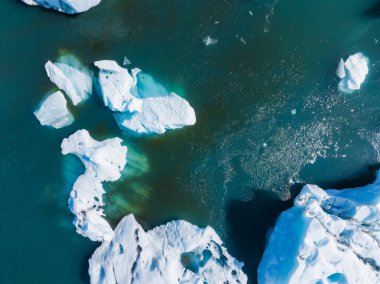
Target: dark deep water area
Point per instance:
(242, 163)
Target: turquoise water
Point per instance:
(217, 172)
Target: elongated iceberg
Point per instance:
(330, 236)
(352, 72)
(141, 105)
(52, 111)
(77, 84)
(177, 252)
(103, 161)
(65, 6)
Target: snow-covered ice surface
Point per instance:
(104, 162)
(328, 236)
(140, 104)
(71, 77)
(64, 6)
(352, 72)
(177, 252)
(52, 111)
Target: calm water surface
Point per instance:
(236, 169)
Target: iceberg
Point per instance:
(352, 72)
(65, 6)
(177, 252)
(52, 111)
(103, 162)
(330, 236)
(77, 84)
(140, 104)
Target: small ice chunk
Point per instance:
(243, 41)
(77, 84)
(250, 12)
(293, 111)
(209, 41)
(177, 252)
(52, 111)
(126, 61)
(64, 6)
(340, 71)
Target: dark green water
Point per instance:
(217, 172)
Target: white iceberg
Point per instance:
(140, 104)
(77, 84)
(103, 161)
(209, 41)
(330, 236)
(177, 252)
(352, 73)
(52, 111)
(65, 6)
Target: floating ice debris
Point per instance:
(177, 252)
(328, 236)
(352, 73)
(126, 61)
(103, 162)
(141, 105)
(209, 40)
(53, 111)
(76, 83)
(250, 12)
(65, 6)
(341, 71)
(243, 41)
(293, 111)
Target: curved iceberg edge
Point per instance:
(177, 252)
(103, 161)
(328, 236)
(65, 6)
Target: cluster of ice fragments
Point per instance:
(352, 72)
(177, 252)
(65, 6)
(330, 236)
(75, 81)
(104, 162)
(141, 105)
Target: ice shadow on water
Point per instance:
(374, 10)
(248, 222)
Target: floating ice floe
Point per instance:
(65, 6)
(103, 162)
(209, 41)
(52, 111)
(352, 72)
(70, 77)
(328, 236)
(140, 104)
(177, 252)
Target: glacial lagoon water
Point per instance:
(236, 169)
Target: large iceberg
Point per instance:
(65, 6)
(52, 111)
(103, 161)
(140, 104)
(330, 236)
(76, 83)
(352, 72)
(177, 252)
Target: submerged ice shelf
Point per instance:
(141, 105)
(103, 161)
(52, 111)
(64, 6)
(177, 252)
(328, 236)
